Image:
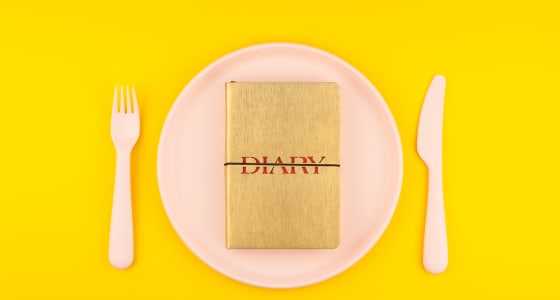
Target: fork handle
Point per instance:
(121, 250)
(435, 234)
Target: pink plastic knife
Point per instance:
(429, 146)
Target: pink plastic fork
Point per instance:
(125, 129)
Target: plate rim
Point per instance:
(394, 128)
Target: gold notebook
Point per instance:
(282, 165)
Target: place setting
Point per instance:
(280, 165)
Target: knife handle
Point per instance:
(435, 234)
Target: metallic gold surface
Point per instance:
(282, 206)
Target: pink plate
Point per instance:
(191, 165)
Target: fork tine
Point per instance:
(122, 110)
(128, 104)
(115, 99)
(134, 100)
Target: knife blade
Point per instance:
(429, 147)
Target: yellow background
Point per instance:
(59, 62)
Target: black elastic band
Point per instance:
(282, 165)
